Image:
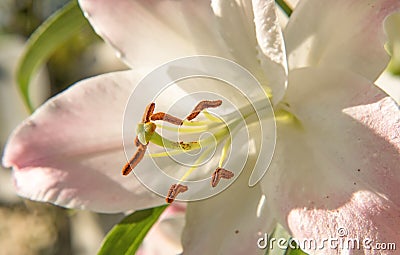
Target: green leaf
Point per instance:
(126, 236)
(277, 236)
(59, 27)
(284, 6)
(296, 251)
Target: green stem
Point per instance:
(285, 7)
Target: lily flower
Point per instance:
(338, 143)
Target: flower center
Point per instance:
(146, 133)
(221, 135)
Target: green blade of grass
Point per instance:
(126, 237)
(285, 7)
(59, 27)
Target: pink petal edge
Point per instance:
(69, 152)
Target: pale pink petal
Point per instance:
(230, 222)
(153, 32)
(345, 152)
(366, 224)
(348, 35)
(70, 152)
(164, 238)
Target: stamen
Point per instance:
(174, 191)
(166, 117)
(137, 157)
(146, 132)
(148, 112)
(137, 142)
(211, 117)
(218, 174)
(225, 151)
(183, 129)
(166, 153)
(202, 157)
(201, 106)
(197, 123)
(157, 139)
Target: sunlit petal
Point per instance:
(234, 220)
(344, 150)
(70, 152)
(272, 48)
(154, 32)
(367, 218)
(348, 35)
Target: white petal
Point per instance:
(347, 146)
(152, 33)
(390, 84)
(272, 48)
(252, 35)
(342, 34)
(160, 31)
(69, 152)
(229, 223)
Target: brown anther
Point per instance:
(201, 106)
(137, 157)
(218, 174)
(166, 117)
(137, 142)
(174, 191)
(148, 112)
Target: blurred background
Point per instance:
(26, 227)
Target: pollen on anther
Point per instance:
(166, 117)
(218, 174)
(148, 112)
(134, 161)
(174, 191)
(137, 142)
(186, 146)
(201, 106)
